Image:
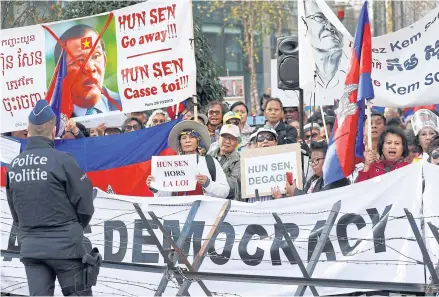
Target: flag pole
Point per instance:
(324, 124)
(369, 123)
(52, 81)
(195, 108)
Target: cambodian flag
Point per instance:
(346, 144)
(120, 162)
(59, 95)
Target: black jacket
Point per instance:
(286, 134)
(319, 185)
(51, 201)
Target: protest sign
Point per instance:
(371, 239)
(405, 63)
(235, 87)
(174, 173)
(105, 56)
(265, 168)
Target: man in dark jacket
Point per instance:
(274, 115)
(51, 202)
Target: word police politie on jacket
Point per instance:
(28, 174)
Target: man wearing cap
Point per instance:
(229, 159)
(51, 202)
(230, 118)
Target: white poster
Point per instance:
(156, 60)
(9, 149)
(174, 173)
(22, 58)
(371, 239)
(404, 66)
(133, 59)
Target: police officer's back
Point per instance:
(51, 202)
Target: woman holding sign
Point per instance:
(187, 138)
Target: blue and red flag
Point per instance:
(121, 161)
(59, 94)
(411, 110)
(346, 146)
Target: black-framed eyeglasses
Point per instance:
(128, 128)
(318, 17)
(315, 161)
(262, 138)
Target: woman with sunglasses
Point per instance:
(433, 151)
(392, 149)
(131, 125)
(315, 183)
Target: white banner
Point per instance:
(371, 239)
(404, 67)
(144, 60)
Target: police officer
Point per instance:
(51, 202)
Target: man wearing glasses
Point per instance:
(86, 85)
(215, 114)
(327, 44)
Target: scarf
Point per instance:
(200, 146)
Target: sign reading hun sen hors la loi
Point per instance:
(265, 168)
(174, 173)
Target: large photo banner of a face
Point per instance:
(91, 73)
(324, 54)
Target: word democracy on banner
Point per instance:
(267, 167)
(405, 63)
(174, 173)
(142, 58)
(375, 231)
(22, 85)
(155, 54)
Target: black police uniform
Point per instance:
(51, 202)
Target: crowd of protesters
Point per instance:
(219, 135)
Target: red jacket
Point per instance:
(379, 168)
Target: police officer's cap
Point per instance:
(42, 113)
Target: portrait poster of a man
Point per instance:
(91, 75)
(326, 46)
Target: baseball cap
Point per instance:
(266, 129)
(42, 113)
(231, 115)
(230, 129)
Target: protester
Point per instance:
(266, 137)
(315, 183)
(132, 124)
(274, 115)
(433, 151)
(291, 114)
(215, 114)
(231, 118)
(378, 126)
(423, 139)
(390, 112)
(112, 131)
(392, 149)
(72, 130)
(189, 115)
(190, 137)
(246, 131)
(414, 148)
(394, 122)
(311, 133)
(263, 103)
(140, 115)
(229, 159)
(158, 117)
